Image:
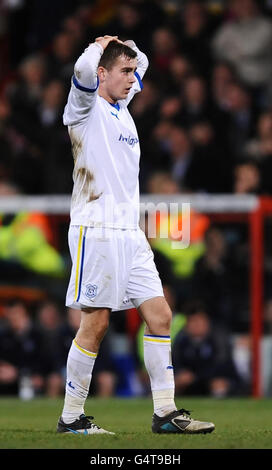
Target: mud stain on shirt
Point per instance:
(76, 145)
(86, 183)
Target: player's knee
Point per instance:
(166, 318)
(162, 322)
(94, 325)
(98, 330)
(102, 326)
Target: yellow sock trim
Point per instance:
(153, 340)
(88, 353)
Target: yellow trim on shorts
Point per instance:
(88, 353)
(78, 262)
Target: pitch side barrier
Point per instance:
(249, 209)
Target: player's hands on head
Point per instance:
(105, 40)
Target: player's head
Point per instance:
(116, 70)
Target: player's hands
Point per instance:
(105, 40)
(130, 43)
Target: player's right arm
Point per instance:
(84, 86)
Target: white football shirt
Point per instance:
(105, 148)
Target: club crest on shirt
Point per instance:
(90, 291)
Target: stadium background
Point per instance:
(204, 120)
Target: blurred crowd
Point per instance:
(205, 108)
(204, 119)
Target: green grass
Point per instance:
(240, 424)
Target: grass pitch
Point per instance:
(239, 424)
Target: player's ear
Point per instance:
(101, 72)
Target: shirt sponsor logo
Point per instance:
(129, 140)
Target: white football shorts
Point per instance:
(111, 268)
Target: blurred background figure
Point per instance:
(247, 178)
(26, 247)
(242, 117)
(48, 321)
(164, 49)
(20, 352)
(212, 278)
(245, 42)
(202, 358)
(194, 27)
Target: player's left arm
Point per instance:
(142, 65)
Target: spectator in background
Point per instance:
(171, 108)
(161, 182)
(144, 110)
(182, 157)
(160, 141)
(246, 42)
(5, 147)
(179, 69)
(164, 49)
(48, 321)
(56, 146)
(25, 95)
(196, 101)
(25, 136)
(38, 32)
(242, 118)
(51, 106)
(247, 178)
(213, 159)
(194, 30)
(259, 150)
(202, 358)
(260, 146)
(76, 28)
(28, 258)
(212, 278)
(181, 261)
(62, 56)
(222, 75)
(130, 22)
(137, 20)
(20, 350)
(195, 157)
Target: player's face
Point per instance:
(120, 78)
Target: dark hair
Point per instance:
(114, 50)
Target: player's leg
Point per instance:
(157, 353)
(80, 363)
(145, 290)
(93, 326)
(157, 356)
(98, 278)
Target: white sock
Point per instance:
(80, 365)
(158, 363)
